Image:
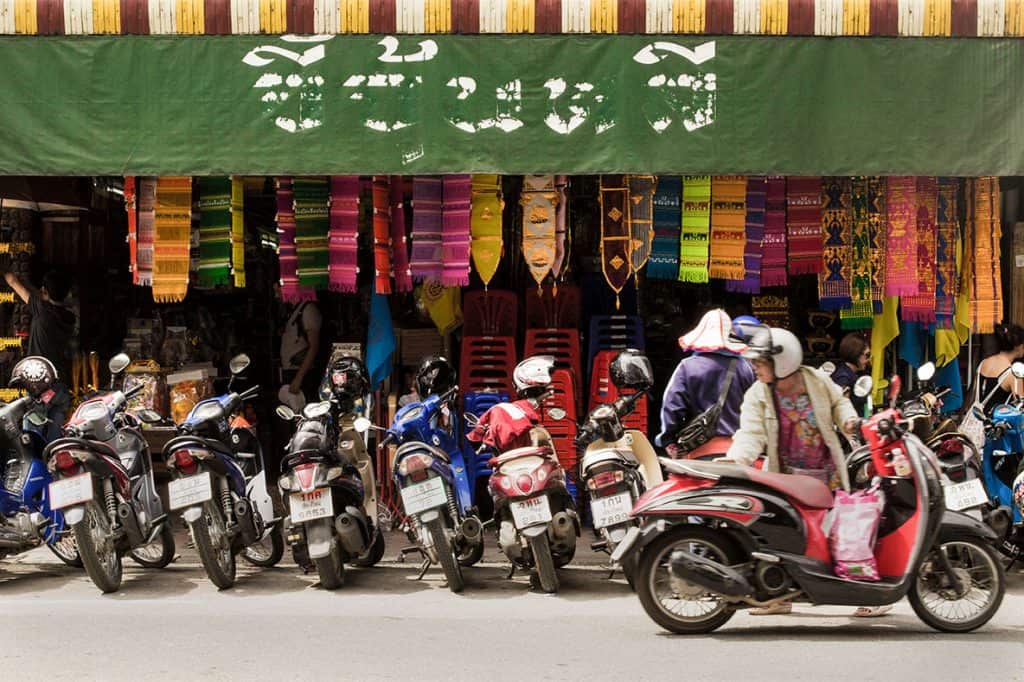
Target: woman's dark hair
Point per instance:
(851, 347)
(1009, 336)
(56, 285)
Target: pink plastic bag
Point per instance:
(854, 531)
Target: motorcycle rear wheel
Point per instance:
(96, 547)
(218, 561)
(331, 568)
(157, 554)
(544, 563)
(376, 552)
(972, 560)
(267, 552)
(446, 556)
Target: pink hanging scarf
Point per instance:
(344, 235)
(773, 261)
(287, 256)
(921, 307)
(803, 221)
(146, 201)
(455, 232)
(901, 236)
(426, 262)
(399, 250)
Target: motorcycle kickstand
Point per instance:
(424, 567)
(410, 550)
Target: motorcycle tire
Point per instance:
(104, 568)
(926, 579)
(331, 569)
(218, 563)
(264, 559)
(543, 563)
(446, 556)
(67, 551)
(373, 555)
(165, 541)
(472, 554)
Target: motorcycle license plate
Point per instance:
(189, 491)
(608, 511)
(965, 495)
(70, 491)
(310, 506)
(531, 512)
(420, 497)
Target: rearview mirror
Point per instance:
(828, 367)
(862, 388)
(239, 364)
(284, 412)
(119, 363)
(978, 413)
(1018, 369)
(149, 416)
(362, 425)
(926, 371)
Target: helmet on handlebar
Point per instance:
(778, 345)
(435, 376)
(631, 369)
(35, 374)
(348, 378)
(532, 376)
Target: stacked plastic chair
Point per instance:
(614, 332)
(603, 391)
(553, 310)
(563, 431)
(488, 348)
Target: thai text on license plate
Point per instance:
(420, 497)
(70, 491)
(965, 495)
(608, 511)
(309, 506)
(526, 513)
(189, 491)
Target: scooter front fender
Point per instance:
(192, 514)
(319, 535)
(74, 515)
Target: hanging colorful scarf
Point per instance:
(344, 235)
(427, 192)
(946, 280)
(664, 262)
(381, 234)
(773, 261)
(753, 250)
(238, 231)
(399, 244)
(771, 310)
(901, 236)
(641, 213)
(458, 198)
(693, 241)
(146, 201)
(561, 264)
(836, 234)
(443, 304)
(921, 306)
(615, 233)
(987, 304)
(312, 223)
(291, 292)
(133, 226)
(485, 226)
(172, 225)
(876, 233)
(803, 225)
(214, 231)
(859, 315)
(728, 226)
(539, 200)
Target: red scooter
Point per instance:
(719, 537)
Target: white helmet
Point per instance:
(532, 376)
(778, 345)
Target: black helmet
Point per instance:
(632, 369)
(435, 376)
(349, 378)
(35, 374)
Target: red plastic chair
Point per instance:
(550, 311)
(486, 364)
(490, 313)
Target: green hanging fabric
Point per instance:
(214, 231)
(694, 240)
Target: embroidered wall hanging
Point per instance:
(399, 244)
(381, 234)
(728, 226)
(146, 201)
(693, 240)
(172, 224)
(641, 217)
(920, 307)
(288, 259)
(562, 236)
(214, 231)
(859, 315)
(539, 201)
(615, 233)
(803, 224)
(485, 226)
(836, 220)
(668, 221)
(946, 279)
(876, 233)
(772, 310)
(312, 224)
(773, 261)
(238, 231)
(901, 236)
(987, 304)
(455, 230)
(344, 233)
(132, 209)
(427, 192)
(757, 186)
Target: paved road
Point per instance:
(383, 625)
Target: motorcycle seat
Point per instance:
(518, 453)
(808, 491)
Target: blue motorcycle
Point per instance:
(26, 519)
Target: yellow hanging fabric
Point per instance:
(444, 304)
(886, 328)
(485, 225)
(238, 231)
(173, 232)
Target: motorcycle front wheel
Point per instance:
(268, 551)
(544, 563)
(157, 554)
(96, 547)
(935, 597)
(446, 555)
(65, 548)
(210, 535)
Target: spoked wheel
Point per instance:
(65, 548)
(214, 546)
(268, 551)
(331, 568)
(446, 555)
(677, 605)
(96, 547)
(158, 553)
(935, 596)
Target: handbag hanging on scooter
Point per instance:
(701, 428)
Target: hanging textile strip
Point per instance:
(343, 262)
(172, 232)
(238, 231)
(312, 223)
(291, 292)
(561, 263)
(836, 235)
(427, 192)
(381, 234)
(399, 243)
(946, 281)
(773, 260)
(133, 226)
(539, 200)
(455, 224)
(921, 306)
(771, 310)
(876, 234)
(987, 304)
(696, 221)
(641, 215)
(668, 196)
(146, 202)
(485, 226)
(728, 226)
(615, 233)
(757, 186)
(803, 225)
(214, 231)
(859, 315)
(901, 236)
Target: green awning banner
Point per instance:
(311, 105)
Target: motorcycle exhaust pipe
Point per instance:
(130, 524)
(708, 574)
(350, 533)
(562, 526)
(246, 523)
(471, 530)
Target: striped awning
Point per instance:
(908, 18)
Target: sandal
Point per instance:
(871, 611)
(782, 609)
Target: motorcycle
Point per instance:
(26, 518)
(432, 477)
(218, 480)
(103, 482)
(719, 537)
(325, 494)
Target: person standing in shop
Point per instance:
(300, 347)
(49, 336)
(855, 359)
